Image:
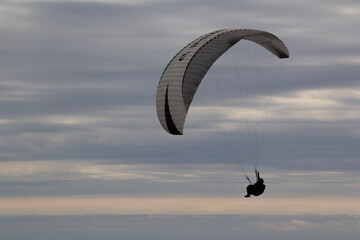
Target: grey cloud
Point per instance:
(102, 62)
(106, 177)
(179, 227)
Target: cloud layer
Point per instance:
(177, 227)
(78, 121)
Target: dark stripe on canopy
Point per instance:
(169, 122)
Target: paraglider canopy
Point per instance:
(184, 73)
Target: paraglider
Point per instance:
(256, 189)
(183, 74)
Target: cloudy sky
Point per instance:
(82, 155)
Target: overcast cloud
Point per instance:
(77, 121)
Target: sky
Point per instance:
(83, 156)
